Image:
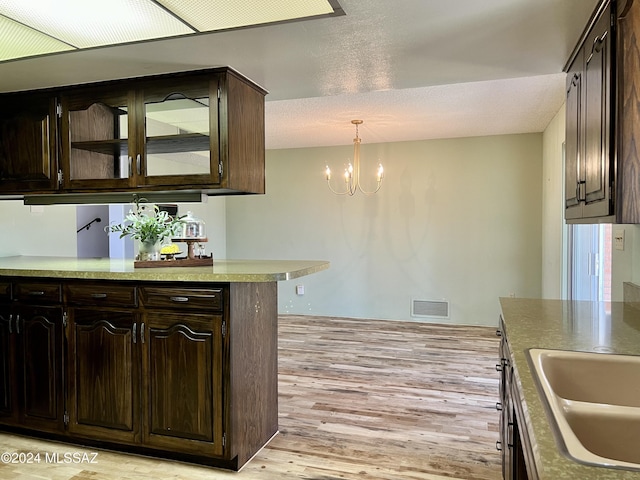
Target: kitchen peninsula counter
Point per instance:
(172, 362)
(117, 269)
(555, 324)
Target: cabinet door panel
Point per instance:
(40, 333)
(103, 383)
(8, 385)
(597, 116)
(573, 142)
(182, 356)
(27, 146)
(180, 134)
(97, 135)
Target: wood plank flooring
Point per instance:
(359, 399)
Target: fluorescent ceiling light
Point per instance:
(39, 27)
(226, 14)
(17, 40)
(83, 23)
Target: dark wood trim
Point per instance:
(585, 33)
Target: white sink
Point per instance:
(594, 400)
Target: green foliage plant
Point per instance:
(148, 225)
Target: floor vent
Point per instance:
(429, 308)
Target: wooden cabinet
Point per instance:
(590, 142)
(8, 382)
(31, 333)
(185, 371)
(201, 130)
(514, 444)
(40, 366)
(28, 133)
(104, 374)
(183, 353)
(95, 131)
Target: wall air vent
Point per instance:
(430, 308)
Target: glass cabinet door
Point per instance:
(178, 138)
(98, 151)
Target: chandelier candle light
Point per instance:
(352, 172)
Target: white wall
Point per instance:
(51, 230)
(456, 219)
(47, 230)
(553, 225)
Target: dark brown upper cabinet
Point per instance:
(602, 162)
(589, 142)
(28, 143)
(200, 131)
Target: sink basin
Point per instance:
(594, 401)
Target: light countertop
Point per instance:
(585, 326)
(113, 269)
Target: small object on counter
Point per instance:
(192, 227)
(170, 249)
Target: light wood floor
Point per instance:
(358, 400)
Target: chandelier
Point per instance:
(352, 172)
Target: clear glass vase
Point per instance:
(149, 251)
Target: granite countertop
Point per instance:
(585, 326)
(115, 269)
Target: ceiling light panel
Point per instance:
(205, 15)
(93, 23)
(17, 41)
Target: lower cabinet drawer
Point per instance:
(101, 294)
(184, 298)
(36, 292)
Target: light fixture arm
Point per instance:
(352, 172)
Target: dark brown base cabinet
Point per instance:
(186, 371)
(514, 444)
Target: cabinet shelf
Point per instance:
(195, 142)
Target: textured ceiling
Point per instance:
(414, 69)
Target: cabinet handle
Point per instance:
(499, 446)
(499, 406)
(10, 318)
(498, 333)
(135, 332)
(18, 324)
(142, 332)
(575, 80)
(597, 45)
(36, 293)
(130, 166)
(98, 295)
(179, 299)
(138, 164)
(498, 367)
